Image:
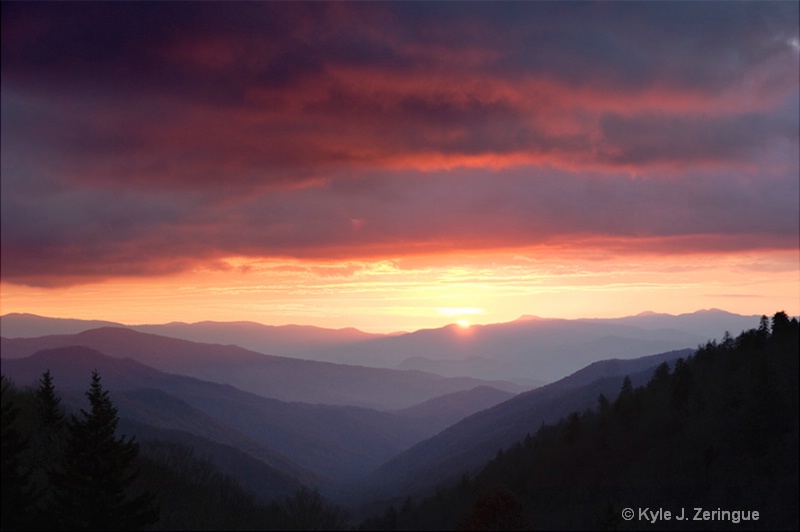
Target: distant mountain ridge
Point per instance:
(710, 323)
(286, 340)
(23, 325)
(529, 351)
(282, 378)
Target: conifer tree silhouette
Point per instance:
(18, 498)
(49, 403)
(91, 487)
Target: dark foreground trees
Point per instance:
(71, 472)
(90, 489)
(18, 496)
(73, 475)
(718, 431)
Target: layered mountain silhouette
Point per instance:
(536, 351)
(283, 378)
(529, 351)
(325, 445)
(467, 445)
(358, 431)
(314, 443)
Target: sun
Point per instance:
(464, 324)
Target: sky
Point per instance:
(394, 166)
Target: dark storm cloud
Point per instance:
(140, 138)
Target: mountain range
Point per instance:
(284, 378)
(529, 351)
(335, 442)
(359, 433)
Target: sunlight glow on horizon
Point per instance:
(409, 294)
(442, 163)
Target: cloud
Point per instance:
(92, 234)
(694, 139)
(144, 139)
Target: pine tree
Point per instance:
(602, 403)
(49, 403)
(50, 432)
(47, 442)
(91, 487)
(626, 390)
(661, 375)
(681, 385)
(18, 499)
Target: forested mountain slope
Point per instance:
(718, 432)
(468, 444)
